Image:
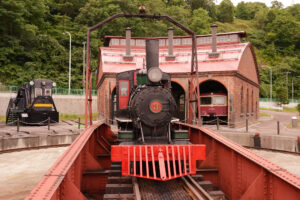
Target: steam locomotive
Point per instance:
(148, 145)
(145, 102)
(33, 104)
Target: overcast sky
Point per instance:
(267, 2)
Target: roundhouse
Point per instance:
(225, 64)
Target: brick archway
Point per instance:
(213, 100)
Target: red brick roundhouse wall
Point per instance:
(235, 68)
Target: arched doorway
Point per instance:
(179, 96)
(213, 101)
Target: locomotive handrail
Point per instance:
(194, 62)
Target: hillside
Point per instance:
(32, 44)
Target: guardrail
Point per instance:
(274, 100)
(63, 91)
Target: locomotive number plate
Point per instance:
(155, 106)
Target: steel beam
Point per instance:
(241, 174)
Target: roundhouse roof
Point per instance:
(229, 46)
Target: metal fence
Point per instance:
(64, 91)
(274, 100)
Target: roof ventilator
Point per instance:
(128, 55)
(214, 53)
(170, 55)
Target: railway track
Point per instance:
(184, 188)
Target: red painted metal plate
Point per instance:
(145, 161)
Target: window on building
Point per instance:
(124, 88)
(205, 100)
(247, 104)
(252, 109)
(242, 96)
(256, 107)
(218, 100)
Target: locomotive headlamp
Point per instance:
(54, 84)
(31, 83)
(155, 74)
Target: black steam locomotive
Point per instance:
(33, 105)
(145, 105)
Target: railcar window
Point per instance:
(218, 100)
(47, 92)
(38, 92)
(124, 88)
(205, 100)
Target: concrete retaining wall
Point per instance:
(275, 142)
(66, 104)
(35, 141)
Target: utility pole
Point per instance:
(70, 51)
(292, 90)
(287, 83)
(270, 83)
(83, 65)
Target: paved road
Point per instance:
(267, 125)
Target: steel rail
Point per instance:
(196, 189)
(199, 188)
(136, 189)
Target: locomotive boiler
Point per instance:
(148, 145)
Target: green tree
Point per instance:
(225, 11)
(207, 5)
(201, 21)
(241, 11)
(294, 10)
(248, 10)
(276, 4)
(281, 95)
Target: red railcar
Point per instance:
(213, 105)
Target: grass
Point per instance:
(262, 114)
(285, 109)
(2, 118)
(288, 109)
(66, 117)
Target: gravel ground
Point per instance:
(265, 125)
(288, 161)
(21, 171)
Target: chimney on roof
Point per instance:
(128, 40)
(214, 53)
(170, 55)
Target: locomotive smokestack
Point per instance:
(214, 52)
(152, 53)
